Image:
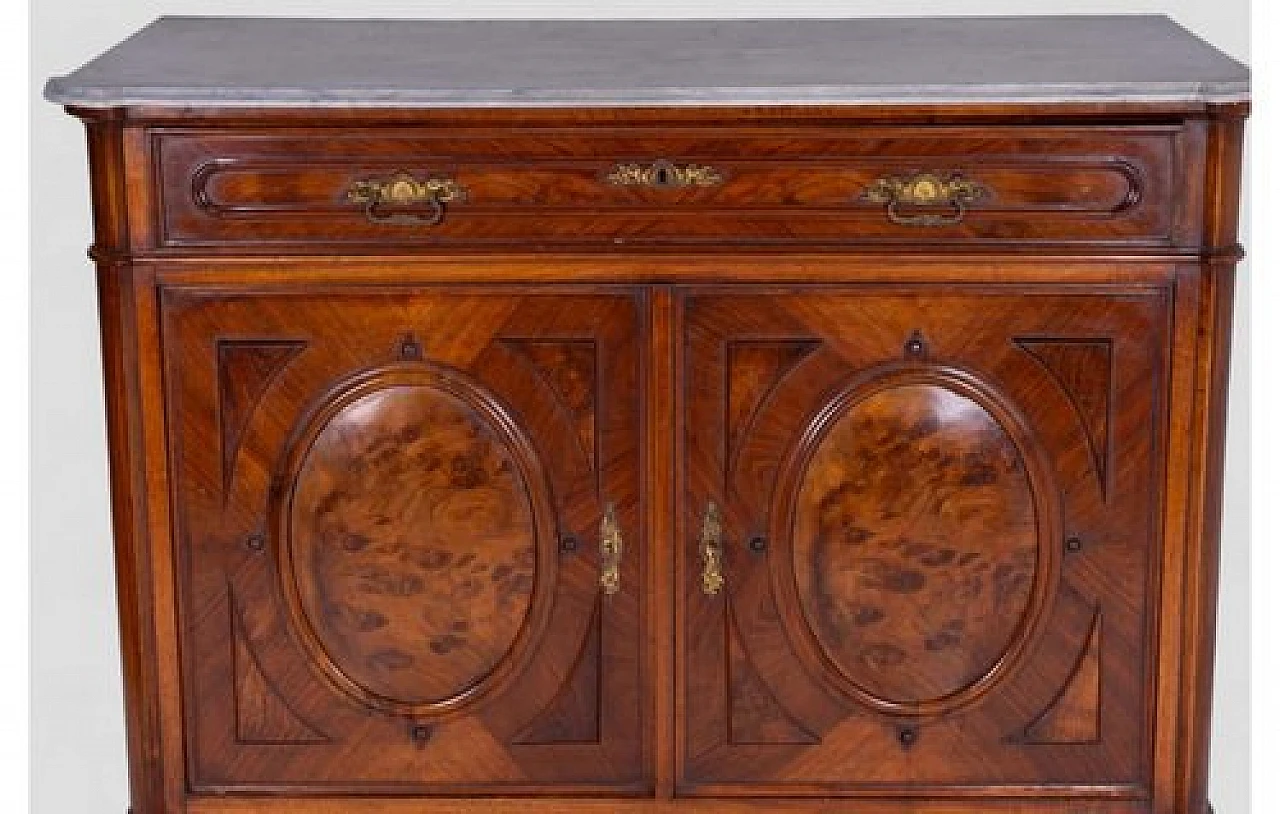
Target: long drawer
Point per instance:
(408, 188)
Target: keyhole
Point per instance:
(915, 346)
(410, 348)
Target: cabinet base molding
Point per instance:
(351, 805)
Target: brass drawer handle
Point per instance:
(610, 552)
(712, 550)
(389, 200)
(925, 189)
(662, 174)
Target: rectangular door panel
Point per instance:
(390, 507)
(918, 545)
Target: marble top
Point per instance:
(280, 62)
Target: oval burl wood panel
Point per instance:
(412, 544)
(916, 544)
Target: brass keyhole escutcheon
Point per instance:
(712, 550)
(663, 174)
(610, 552)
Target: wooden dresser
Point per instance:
(785, 416)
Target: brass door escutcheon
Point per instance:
(391, 200)
(663, 174)
(610, 552)
(925, 189)
(712, 550)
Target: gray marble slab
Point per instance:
(278, 62)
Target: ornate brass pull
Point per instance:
(712, 550)
(403, 190)
(610, 552)
(662, 174)
(925, 189)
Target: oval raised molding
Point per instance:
(921, 544)
(412, 534)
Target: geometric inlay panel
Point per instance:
(755, 714)
(262, 715)
(568, 368)
(1075, 713)
(754, 370)
(573, 715)
(1082, 368)
(246, 368)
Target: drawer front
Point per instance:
(918, 548)
(648, 186)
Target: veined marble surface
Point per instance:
(281, 62)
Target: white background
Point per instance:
(77, 728)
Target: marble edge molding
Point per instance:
(59, 91)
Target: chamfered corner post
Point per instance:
(1216, 283)
(119, 347)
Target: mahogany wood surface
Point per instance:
(937, 534)
(392, 519)
(968, 474)
(548, 185)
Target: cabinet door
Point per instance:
(392, 505)
(919, 553)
